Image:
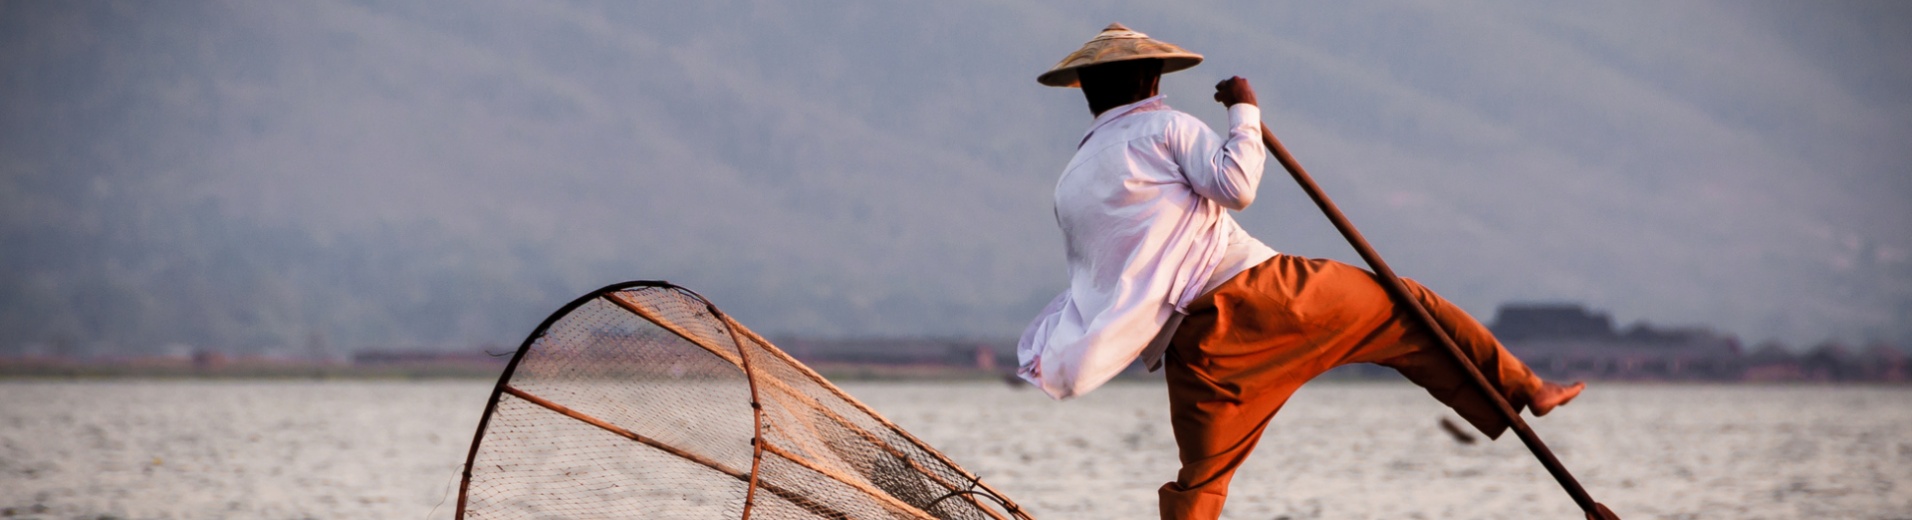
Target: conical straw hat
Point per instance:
(1118, 43)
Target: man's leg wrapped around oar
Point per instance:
(1246, 346)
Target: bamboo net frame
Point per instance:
(631, 401)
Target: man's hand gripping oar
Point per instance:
(1236, 89)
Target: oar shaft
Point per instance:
(1402, 297)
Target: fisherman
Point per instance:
(1159, 270)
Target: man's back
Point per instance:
(1143, 210)
(1121, 188)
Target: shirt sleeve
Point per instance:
(1227, 171)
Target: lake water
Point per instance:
(279, 449)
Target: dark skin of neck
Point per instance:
(1098, 106)
(1111, 85)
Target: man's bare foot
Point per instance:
(1551, 396)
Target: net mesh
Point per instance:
(643, 400)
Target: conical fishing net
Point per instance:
(642, 400)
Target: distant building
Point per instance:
(1568, 341)
(206, 360)
(375, 357)
(985, 358)
(1830, 361)
(1550, 321)
(1771, 362)
(902, 351)
(1885, 363)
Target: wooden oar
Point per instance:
(1594, 510)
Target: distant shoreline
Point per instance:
(489, 370)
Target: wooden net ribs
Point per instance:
(814, 451)
(719, 467)
(783, 388)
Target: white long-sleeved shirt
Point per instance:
(1144, 213)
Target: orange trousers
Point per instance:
(1247, 345)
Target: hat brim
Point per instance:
(1171, 62)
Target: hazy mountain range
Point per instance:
(268, 175)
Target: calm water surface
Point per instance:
(273, 449)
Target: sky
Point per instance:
(326, 176)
